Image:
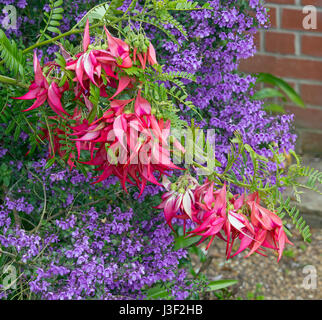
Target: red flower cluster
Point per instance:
(131, 144)
(137, 144)
(42, 91)
(238, 217)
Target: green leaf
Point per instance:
(273, 107)
(6, 181)
(282, 85)
(54, 23)
(57, 16)
(17, 133)
(157, 292)
(50, 162)
(54, 30)
(58, 3)
(11, 55)
(220, 284)
(267, 93)
(58, 10)
(184, 242)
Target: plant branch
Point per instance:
(12, 81)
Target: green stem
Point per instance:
(66, 34)
(50, 135)
(63, 35)
(225, 178)
(12, 81)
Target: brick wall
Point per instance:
(289, 51)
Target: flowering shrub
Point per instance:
(131, 254)
(96, 257)
(135, 110)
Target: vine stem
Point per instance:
(63, 35)
(66, 34)
(50, 136)
(45, 203)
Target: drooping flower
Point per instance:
(132, 146)
(144, 56)
(119, 50)
(269, 232)
(237, 226)
(92, 65)
(42, 91)
(227, 216)
(178, 197)
(152, 59)
(211, 216)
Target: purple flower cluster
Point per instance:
(99, 255)
(27, 245)
(108, 255)
(96, 253)
(218, 40)
(19, 205)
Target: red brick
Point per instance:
(282, 1)
(257, 41)
(310, 118)
(312, 45)
(280, 42)
(310, 142)
(272, 16)
(293, 19)
(312, 94)
(283, 67)
(317, 3)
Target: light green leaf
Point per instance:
(54, 30)
(58, 3)
(220, 284)
(273, 107)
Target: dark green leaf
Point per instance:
(282, 85)
(157, 292)
(183, 242)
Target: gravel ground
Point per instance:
(263, 278)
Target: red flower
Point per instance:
(119, 50)
(42, 91)
(211, 215)
(132, 146)
(91, 64)
(181, 199)
(150, 55)
(269, 232)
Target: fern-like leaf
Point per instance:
(294, 214)
(96, 14)
(170, 76)
(11, 55)
(166, 18)
(52, 19)
(156, 23)
(101, 12)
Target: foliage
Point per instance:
(157, 95)
(282, 91)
